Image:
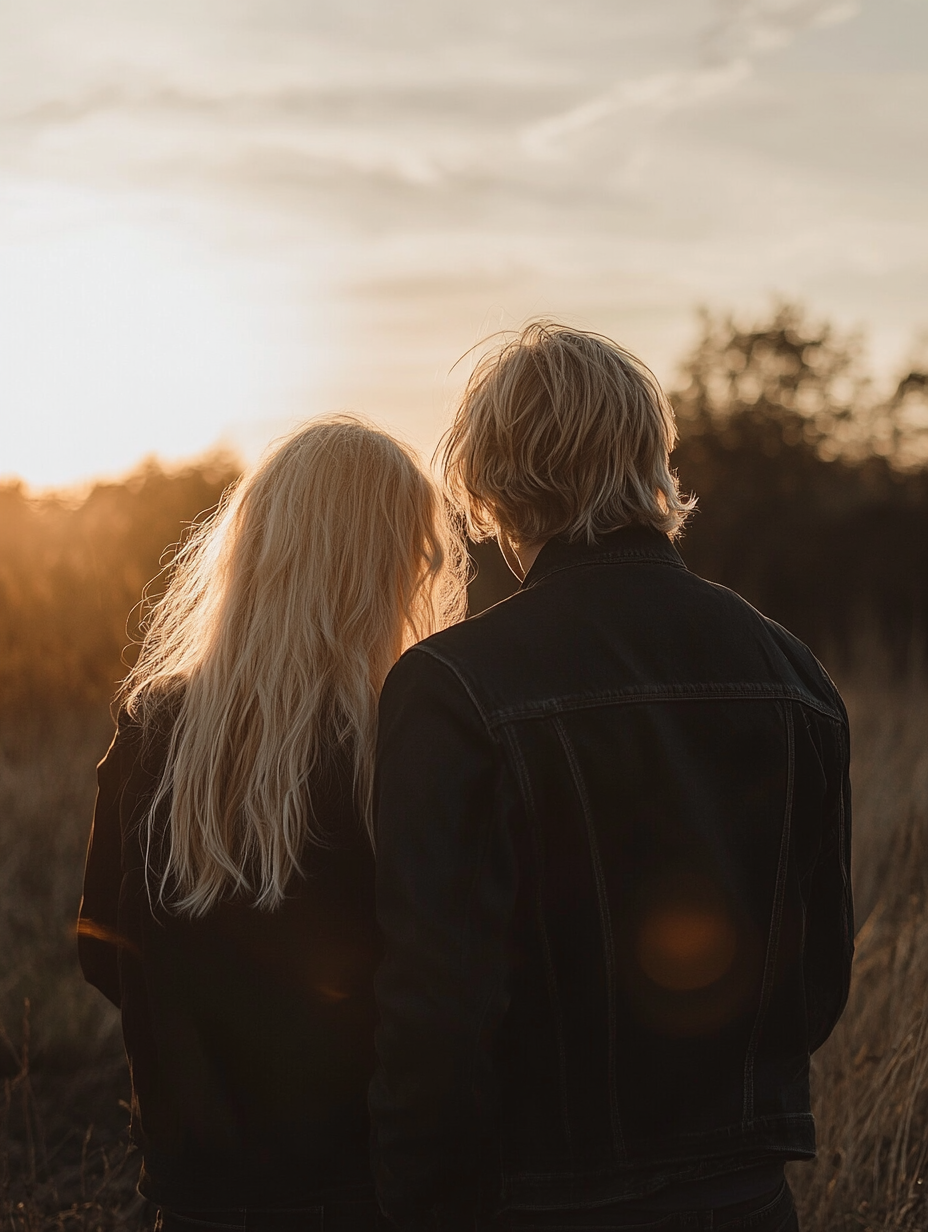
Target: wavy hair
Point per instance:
(283, 614)
(563, 432)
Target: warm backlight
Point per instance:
(117, 340)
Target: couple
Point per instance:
(605, 825)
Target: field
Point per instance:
(871, 1078)
(813, 503)
(63, 1156)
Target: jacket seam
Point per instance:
(732, 1133)
(847, 890)
(486, 838)
(697, 693)
(773, 937)
(605, 922)
(459, 675)
(550, 972)
(475, 1049)
(636, 557)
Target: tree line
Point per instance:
(72, 576)
(812, 487)
(813, 490)
(813, 503)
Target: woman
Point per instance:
(228, 895)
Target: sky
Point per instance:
(219, 217)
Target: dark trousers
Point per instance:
(771, 1213)
(360, 1216)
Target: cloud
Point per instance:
(753, 27)
(741, 31)
(657, 93)
(420, 135)
(351, 106)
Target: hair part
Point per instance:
(563, 432)
(283, 614)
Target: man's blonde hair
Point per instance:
(563, 432)
(283, 615)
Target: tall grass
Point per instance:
(816, 543)
(870, 1081)
(64, 1157)
(63, 1154)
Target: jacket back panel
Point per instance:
(682, 939)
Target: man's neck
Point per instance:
(519, 556)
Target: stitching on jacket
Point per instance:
(718, 1138)
(637, 556)
(675, 693)
(847, 905)
(605, 920)
(550, 974)
(773, 937)
(456, 671)
(474, 1047)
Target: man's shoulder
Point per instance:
(787, 657)
(815, 680)
(478, 640)
(461, 656)
(561, 642)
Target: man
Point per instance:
(613, 846)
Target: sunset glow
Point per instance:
(216, 219)
(116, 339)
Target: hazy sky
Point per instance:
(217, 215)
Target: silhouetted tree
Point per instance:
(813, 495)
(813, 503)
(72, 573)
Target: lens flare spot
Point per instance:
(685, 947)
(330, 995)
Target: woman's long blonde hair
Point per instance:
(283, 614)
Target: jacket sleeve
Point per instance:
(829, 932)
(97, 922)
(446, 888)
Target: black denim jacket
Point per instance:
(249, 1034)
(613, 827)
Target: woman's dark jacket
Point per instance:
(249, 1034)
(613, 836)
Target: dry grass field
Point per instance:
(63, 1156)
(871, 1078)
(63, 1151)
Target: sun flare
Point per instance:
(117, 340)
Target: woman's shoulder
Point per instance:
(141, 739)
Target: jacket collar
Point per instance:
(628, 545)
